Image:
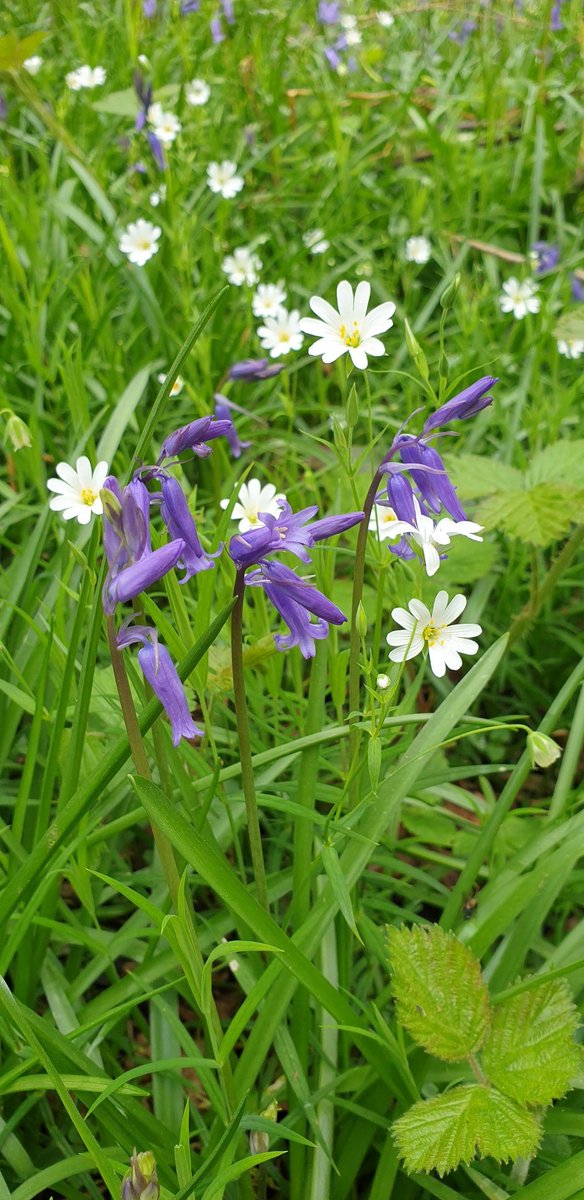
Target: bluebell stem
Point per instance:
(162, 675)
(223, 408)
(254, 369)
(296, 600)
(194, 437)
(466, 404)
(178, 519)
(547, 257)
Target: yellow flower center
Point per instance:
(253, 518)
(351, 339)
(283, 336)
(388, 517)
(88, 496)
(432, 633)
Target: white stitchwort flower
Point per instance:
(223, 178)
(385, 19)
(78, 489)
(445, 640)
(85, 77)
(428, 535)
(33, 64)
(519, 298)
(315, 241)
(382, 520)
(165, 125)
(571, 347)
(243, 266)
(268, 299)
(158, 196)
(177, 386)
(352, 329)
(418, 250)
(281, 333)
(348, 21)
(252, 500)
(140, 241)
(197, 92)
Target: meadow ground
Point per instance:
(241, 941)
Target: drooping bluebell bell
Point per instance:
(179, 521)
(329, 12)
(296, 600)
(216, 29)
(144, 93)
(189, 6)
(254, 369)
(429, 474)
(194, 436)
(133, 565)
(547, 257)
(158, 668)
(228, 11)
(556, 22)
(223, 408)
(466, 404)
(149, 9)
(288, 531)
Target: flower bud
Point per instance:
(259, 1140)
(543, 751)
(352, 408)
(361, 621)
(141, 1181)
(383, 682)
(450, 293)
(18, 433)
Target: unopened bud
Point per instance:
(352, 408)
(339, 435)
(17, 433)
(141, 1181)
(361, 620)
(450, 293)
(543, 751)
(259, 1139)
(383, 682)
(112, 509)
(416, 352)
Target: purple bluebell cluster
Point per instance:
(463, 33)
(254, 369)
(420, 464)
(144, 93)
(547, 257)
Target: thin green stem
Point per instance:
(245, 757)
(355, 642)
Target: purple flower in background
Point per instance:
(194, 437)
(3, 107)
(254, 369)
(162, 675)
(547, 257)
(217, 30)
(329, 12)
(466, 404)
(295, 599)
(178, 519)
(144, 94)
(189, 6)
(228, 12)
(577, 288)
(556, 16)
(332, 57)
(223, 409)
(149, 9)
(462, 35)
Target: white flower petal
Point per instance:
(345, 302)
(362, 295)
(451, 611)
(358, 357)
(323, 309)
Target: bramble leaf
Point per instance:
(562, 462)
(530, 1052)
(476, 475)
(440, 1133)
(441, 996)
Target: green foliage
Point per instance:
(440, 1133)
(440, 994)
(530, 1052)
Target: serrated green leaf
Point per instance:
(539, 516)
(475, 475)
(530, 1052)
(440, 1133)
(441, 996)
(570, 326)
(561, 463)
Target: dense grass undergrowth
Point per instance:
(327, 944)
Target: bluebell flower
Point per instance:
(288, 531)
(428, 472)
(158, 668)
(189, 6)
(194, 436)
(254, 369)
(556, 16)
(296, 600)
(466, 404)
(462, 34)
(144, 93)
(577, 289)
(216, 30)
(223, 408)
(178, 519)
(148, 9)
(329, 12)
(228, 11)
(133, 565)
(547, 257)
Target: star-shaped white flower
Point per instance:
(223, 179)
(382, 521)
(85, 77)
(418, 250)
(385, 19)
(571, 347)
(281, 333)
(435, 630)
(33, 64)
(165, 125)
(197, 92)
(242, 266)
(252, 500)
(78, 490)
(140, 241)
(352, 329)
(519, 298)
(268, 299)
(428, 534)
